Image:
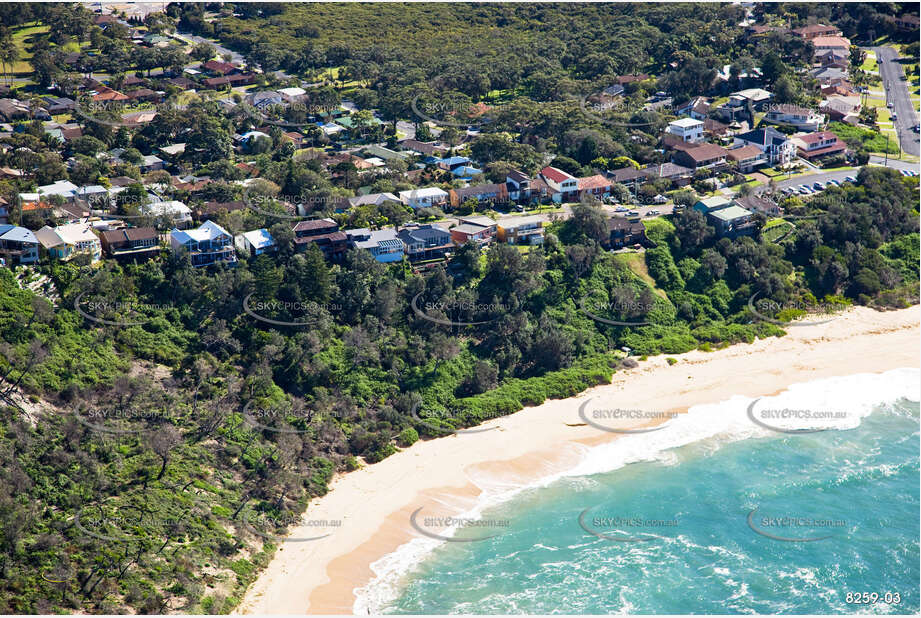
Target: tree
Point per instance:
(203, 52)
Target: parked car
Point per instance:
(634, 213)
(851, 179)
(652, 213)
(621, 209)
(806, 190)
(835, 182)
(818, 186)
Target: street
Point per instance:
(893, 75)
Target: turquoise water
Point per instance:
(689, 547)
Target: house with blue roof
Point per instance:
(207, 244)
(18, 245)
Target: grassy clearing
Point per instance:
(870, 63)
(636, 262)
(776, 229)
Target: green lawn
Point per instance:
(873, 141)
(870, 63)
(776, 229)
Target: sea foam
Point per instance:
(716, 424)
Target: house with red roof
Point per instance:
(563, 186)
(818, 145)
(596, 186)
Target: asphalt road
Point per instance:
(893, 75)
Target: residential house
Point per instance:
(905, 23)
(596, 186)
(325, 234)
(689, 130)
(477, 229)
(564, 187)
(630, 177)
(216, 67)
(492, 193)
(824, 43)
(372, 198)
(729, 219)
(144, 94)
(384, 153)
(292, 95)
(791, 115)
(65, 241)
(18, 245)
(424, 198)
(14, 109)
(432, 149)
(133, 243)
(775, 145)
(832, 58)
(255, 242)
(59, 105)
(747, 158)
(758, 203)
(383, 245)
(425, 242)
(526, 230)
(828, 74)
(65, 189)
(739, 101)
(678, 174)
(732, 221)
(816, 30)
(697, 108)
(629, 79)
(151, 163)
(176, 212)
(842, 109)
(707, 205)
(623, 232)
(209, 210)
(206, 245)
(700, 156)
(812, 146)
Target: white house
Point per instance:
(255, 242)
(802, 118)
(18, 245)
(563, 187)
(178, 213)
(688, 129)
(63, 188)
(292, 95)
(424, 198)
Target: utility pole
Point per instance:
(887, 149)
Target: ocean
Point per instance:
(742, 506)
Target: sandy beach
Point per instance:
(444, 476)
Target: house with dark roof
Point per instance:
(325, 234)
(816, 30)
(623, 232)
(383, 245)
(130, 244)
(216, 67)
(425, 242)
(775, 145)
(678, 174)
(746, 158)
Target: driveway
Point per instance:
(893, 75)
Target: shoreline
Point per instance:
(445, 476)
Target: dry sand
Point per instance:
(444, 476)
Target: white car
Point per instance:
(837, 183)
(621, 209)
(851, 179)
